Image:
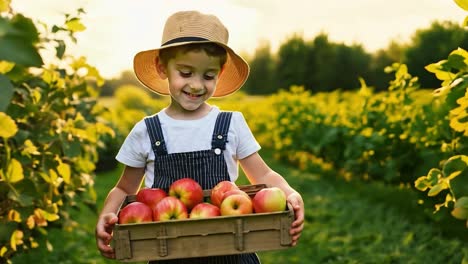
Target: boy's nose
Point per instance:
(196, 84)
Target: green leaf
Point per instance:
(17, 50)
(24, 28)
(462, 202)
(26, 192)
(6, 89)
(5, 26)
(56, 29)
(434, 175)
(71, 148)
(60, 48)
(456, 61)
(455, 164)
(8, 126)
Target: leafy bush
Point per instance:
(451, 181)
(50, 132)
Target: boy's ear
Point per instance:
(161, 68)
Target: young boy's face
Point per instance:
(192, 78)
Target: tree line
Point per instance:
(321, 65)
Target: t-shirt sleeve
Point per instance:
(247, 144)
(132, 152)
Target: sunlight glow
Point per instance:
(117, 29)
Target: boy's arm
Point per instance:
(129, 183)
(257, 171)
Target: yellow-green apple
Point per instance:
(170, 208)
(188, 191)
(204, 210)
(217, 192)
(135, 212)
(150, 196)
(236, 191)
(236, 204)
(267, 200)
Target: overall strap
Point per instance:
(220, 132)
(153, 126)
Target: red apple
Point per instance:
(188, 191)
(135, 212)
(150, 196)
(236, 204)
(170, 208)
(268, 200)
(204, 210)
(218, 191)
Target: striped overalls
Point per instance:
(208, 167)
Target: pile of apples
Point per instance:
(185, 200)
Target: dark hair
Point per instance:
(211, 49)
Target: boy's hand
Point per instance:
(295, 200)
(104, 228)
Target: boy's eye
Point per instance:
(209, 77)
(185, 73)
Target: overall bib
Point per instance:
(207, 167)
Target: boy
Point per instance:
(190, 138)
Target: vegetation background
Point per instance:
(380, 161)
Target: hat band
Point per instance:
(183, 39)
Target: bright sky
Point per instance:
(117, 29)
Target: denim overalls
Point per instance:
(208, 167)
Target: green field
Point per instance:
(346, 222)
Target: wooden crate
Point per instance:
(223, 235)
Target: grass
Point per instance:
(346, 222)
(356, 222)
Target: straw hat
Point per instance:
(192, 27)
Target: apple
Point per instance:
(236, 204)
(170, 208)
(188, 191)
(271, 199)
(236, 191)
(150, 196)
(204, 210)
(136, 212)
(217, 192)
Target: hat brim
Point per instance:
(234, 75)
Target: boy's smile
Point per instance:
(192, 78)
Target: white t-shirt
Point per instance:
(186, 136)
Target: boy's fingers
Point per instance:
(297, 229)
(110, 219)
(103, 234)
(107, 251)
(103, 241)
